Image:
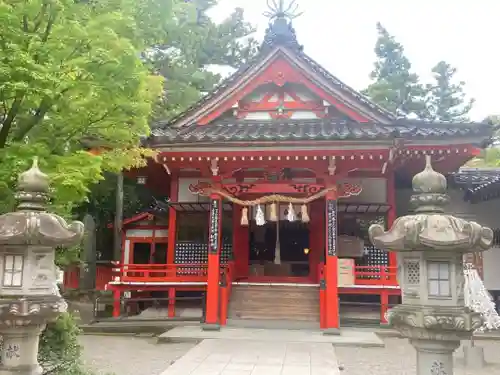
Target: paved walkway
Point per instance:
(238, 357)
(349, 337)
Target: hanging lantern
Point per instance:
(260, 218)
(304, 216)
(273, 216)
(291, 213)
(244, 217)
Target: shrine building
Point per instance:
(274, 178)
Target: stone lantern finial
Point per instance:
(32, 188)
(429, 187)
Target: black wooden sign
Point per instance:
(331, 226)
(213, 237)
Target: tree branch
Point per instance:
(39, 17)
(48, 28)
(40, 113)
(9, 120)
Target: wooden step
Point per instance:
(274, 302)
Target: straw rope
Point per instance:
(271, 198)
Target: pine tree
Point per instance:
(394, 86)
(446, 100)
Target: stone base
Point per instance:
(474, 357)
(331, 332)
(210, 327)
(22, 370)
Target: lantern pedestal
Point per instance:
(474, 356)
(20, 350)
(434, 357)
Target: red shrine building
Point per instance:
(274, 179)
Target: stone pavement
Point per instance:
(238, 357)
(349, 337)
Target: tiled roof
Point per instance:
(476, 176)
(291, 130)
(276, 37)
(480, 184)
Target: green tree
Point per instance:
(71, 71)
(446, 99)
(394, 86)
(194, 45)
(190, 51)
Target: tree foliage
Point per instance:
(446, 99)
(71, 71)
(400, 91)
(192, 48)
(394, 86)
(184, 59)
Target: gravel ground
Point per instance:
(398, 357)
(129, 355)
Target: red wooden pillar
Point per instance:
(331, 294)
(171, 302)
(317, 242)
(240, 244)
(213, 279)
(172, 219)
(391, 278)
(116, 303)
(391, 216)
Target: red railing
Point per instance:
(163, 272)
(375, 275)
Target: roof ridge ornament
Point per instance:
(280, 10)
(280, 30)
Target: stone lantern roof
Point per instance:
(430, 228)
(31, 224)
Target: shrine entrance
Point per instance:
(279, 250)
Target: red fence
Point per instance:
(104, 274)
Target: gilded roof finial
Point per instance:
(278, 9)
(280, 30)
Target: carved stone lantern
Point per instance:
(29, 297)
(430, 246)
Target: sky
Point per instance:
(341, 35)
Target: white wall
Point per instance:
(485, 213)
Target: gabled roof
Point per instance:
(280, 42)
(280, 39)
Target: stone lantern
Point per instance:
(29, 297)
(430, 246)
